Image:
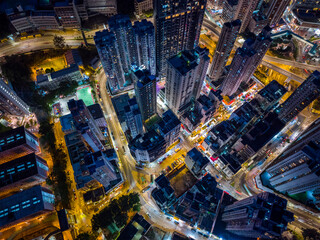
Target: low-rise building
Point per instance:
(94, 195)
(81, 9)
(200, 205)
(67, 14)
(105, 7)
(73, 57)
(230, 164)
(257, 215)
(22, 173)
(218, 136)
(67, 124)
(196, 162)
(52, 81)
(192, 119)
(169, 127)
(44, 20)
(97, 114)
(164, 193)
(207, 108)
(16, 143)
(21, 21)
(148, 147)
(76, 148)
(10, 102)
(136, 228)
(25, 205)
(141, 6)
(98, 166)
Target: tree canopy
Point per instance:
(59, 41)
(117, 211)
(310, 234)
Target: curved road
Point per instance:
(283, 72)
(127, 165)
(215, 29)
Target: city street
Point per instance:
(127, 165)
(242, 185)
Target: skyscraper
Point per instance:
(108, 51)
(242, 61)
(229, 10)
(146, 93)
(122, 28)
(239, 9)
(260, 46)
(275, 10)
(185, 75)
(225, 44)
(10, 103)
(178, 25)
(297, 171)
(306, 93)
(145, 44)
(245, 61)
(257, 215)
(133, 118)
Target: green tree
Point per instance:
(67, 88)
(123, 203)
(59, 41)
(134, 199)
(121, 219)
(86, 236)
(310, 234)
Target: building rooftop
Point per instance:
(273, 91)
(97, 166)
(43, 78)
(73, 68)
(135, 229)
(233, 2)
(73, 57)
(94, 195)
(104, 38)
(25, 204)
(184, 61)
(232, 161)
(194, 117)
(119, 104)
(76, 148)
(223, 130)
(14, 138)
(119, 21)
(197, 157)
(143, 27)
(96, 111)
(263, 132)
(168, 122)
(143, 77)
(22, 168)
(162, 181)
(205, 102)
(67, 124)
(147, 141)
